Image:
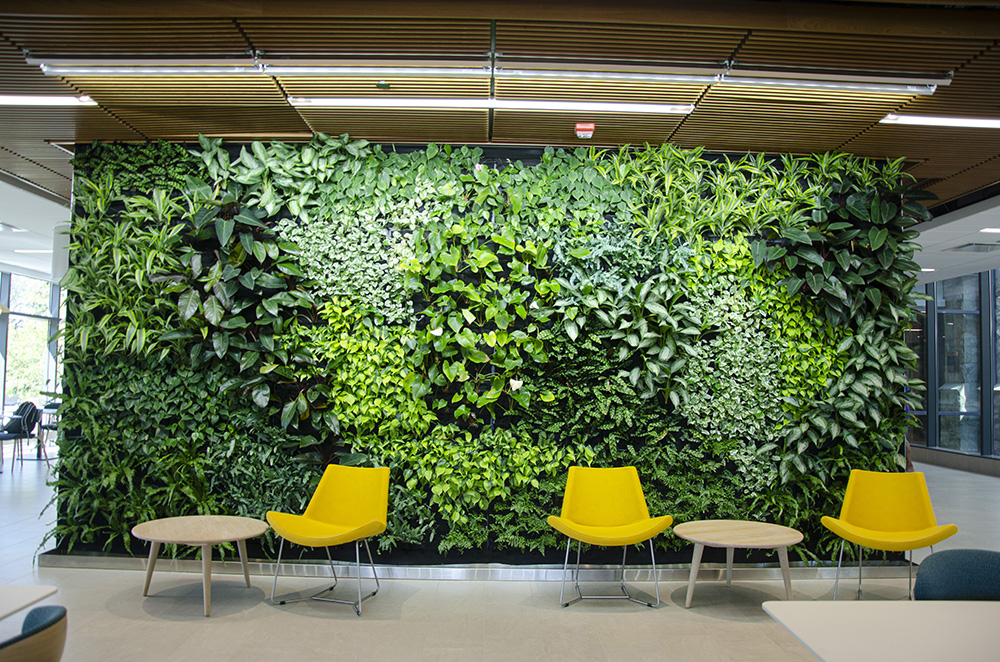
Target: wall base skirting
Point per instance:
(482, 571)
(941, 457)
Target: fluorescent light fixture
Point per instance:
(32, 251)
(44, 100)
(76, 70)
(844, 85)
(612, 76)
(486, 104)
(376, 72)
(928, 270)
(991, 230)
(930, 120)
(221, 66)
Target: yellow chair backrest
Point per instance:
(888, 501)
(350, 496)
(604, 497)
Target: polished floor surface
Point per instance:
(428, 620)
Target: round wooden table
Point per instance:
(201, 531)
(733, 533)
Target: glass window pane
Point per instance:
(914, 337)
(29, 295)
(27, 360)
(916, 434)
(959, 370)
(960, 293)
(960, 433)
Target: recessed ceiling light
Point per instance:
(926, 270)
(32, 250)
(975, 248)
(991, 230)
(930, 120)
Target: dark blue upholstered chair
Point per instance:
(42, 638)
(959, 574)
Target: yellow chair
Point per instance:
(886, 511)
(350, 504)
(606, 507)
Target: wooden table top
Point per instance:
(199, 529)
(738, 533)
(15, 597)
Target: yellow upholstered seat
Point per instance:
(350, 504)
(886, 511)
(606, 507)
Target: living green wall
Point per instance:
(239, 316)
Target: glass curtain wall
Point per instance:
(28, 356)
(956, 335)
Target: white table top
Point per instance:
(15, 597)
(882, 630)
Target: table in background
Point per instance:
(882, 630)
(15, 597)
(201, 531)
(732, 533)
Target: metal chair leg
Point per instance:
(621, 579)
(861, 560)
(840, 559)
(277, 567)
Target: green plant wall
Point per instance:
(241, 315)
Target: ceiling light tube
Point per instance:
(158, 70)
(991, 230)
(377, 72)
(44, 100)
(929, 120)
(486, 104)
(612, 76)
(848, 86)
(32, 251)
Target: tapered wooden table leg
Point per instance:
(695, 563)
(729, 565)
(206, 575)
(242, 546)
(783, 560)
(154, 551)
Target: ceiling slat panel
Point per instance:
(181, 91)
(345, 36)
(18, 77)
(972, 179)
(185, 123)
(601, 91)
(975, 92)
(39, 175)
(651, 43)
(402, 126)
(944, 151)
(450, 88)
(750, 118)
(81, 124)
(552, 128)
(884, 53)
(125, 36)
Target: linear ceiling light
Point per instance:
(611, 76)
(929, 120)
(44, 100)
(221, 66)
(486, 104)
(847, 86)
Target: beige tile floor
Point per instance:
(427, 620)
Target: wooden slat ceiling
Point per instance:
(861, 38)
(402, 126)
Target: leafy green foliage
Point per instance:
(136, 168)
(730, 326)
